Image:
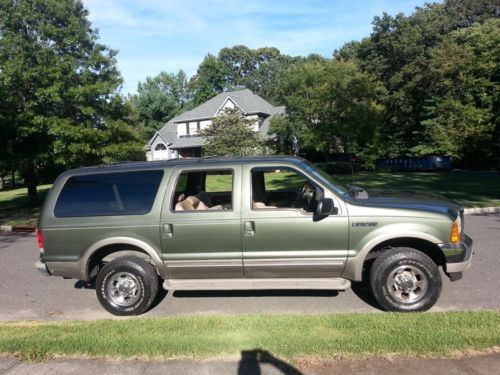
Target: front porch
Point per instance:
(189, 152)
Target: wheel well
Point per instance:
(426, 247)
(95, 261)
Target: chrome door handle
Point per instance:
(249, 228)
(168, 230)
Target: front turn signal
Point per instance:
(455, 233)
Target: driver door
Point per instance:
(280, 237)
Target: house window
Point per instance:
(193, 128)
(160, 147)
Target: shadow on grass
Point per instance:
(252, 360)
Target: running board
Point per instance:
(257, 284)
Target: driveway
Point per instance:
(26, 294)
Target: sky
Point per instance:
(164, 35)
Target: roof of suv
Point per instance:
(175, 162)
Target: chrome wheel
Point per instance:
(407, 284)
(124, 289)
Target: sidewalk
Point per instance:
(260, 364)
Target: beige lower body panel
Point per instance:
(335, 283)
(458, 267)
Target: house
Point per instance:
(180, 138)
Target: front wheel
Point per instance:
(405, 279)
(127, 286)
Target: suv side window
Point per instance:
(282, 188)
(203, 190)
(108, 194)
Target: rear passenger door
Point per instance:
(200, 223)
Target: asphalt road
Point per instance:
(26, 294)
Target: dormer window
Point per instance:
(160, 147)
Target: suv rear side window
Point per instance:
(127, 193)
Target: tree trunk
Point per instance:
(13, 178)
(31, 182)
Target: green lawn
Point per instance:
(286, 336)
(471, 189)
(13, 208)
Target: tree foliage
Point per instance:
(438, 70)
(59, 86)
(239, 66)
(332, 104)
(231, 134)
(160, 98)
(462, 112)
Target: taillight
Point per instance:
(455, 233)
(40, 239)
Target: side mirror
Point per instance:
(324, 208)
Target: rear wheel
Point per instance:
(405, 279)
(127, 286)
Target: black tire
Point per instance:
(405, 279)
(139, 283)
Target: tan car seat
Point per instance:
(192, 203)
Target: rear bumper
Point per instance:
(43, 269)
(458, 256)
(71, 270)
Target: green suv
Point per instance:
(244, 223)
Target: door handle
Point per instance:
(168, 230)
(249, 228)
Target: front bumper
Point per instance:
(458, 256)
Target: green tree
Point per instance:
(331, 104)
(208, 81)
(398, 54)
(231, 134)
(59, 87)
(239, 66)
(464, 99)
(286, 134)
(256, 69)
(160, 98)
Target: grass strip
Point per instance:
(286, 336)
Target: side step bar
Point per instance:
(256, 284)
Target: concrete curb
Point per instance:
(23, 228)
(482, 210)
(253, 364)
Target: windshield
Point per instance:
(335, 185)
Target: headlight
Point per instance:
(456, 230)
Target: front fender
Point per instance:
(363, 243)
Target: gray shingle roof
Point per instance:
(245, 99)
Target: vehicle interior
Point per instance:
(203, 190)
(283, 188)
